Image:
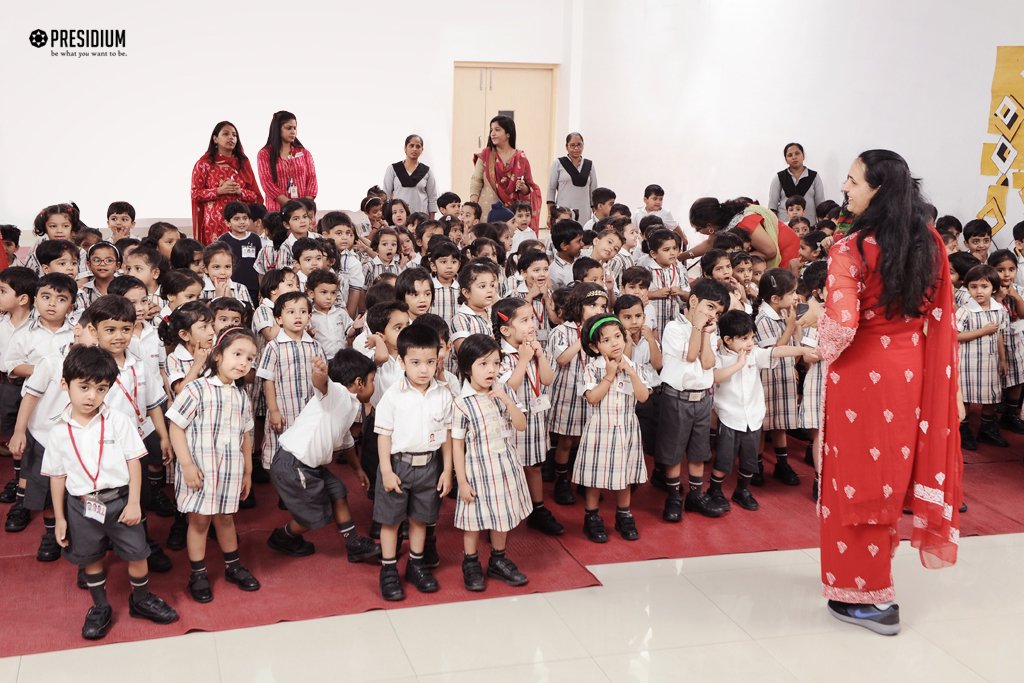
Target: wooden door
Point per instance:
(523, 91)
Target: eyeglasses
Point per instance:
(97, 261)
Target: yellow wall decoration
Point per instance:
(1003, 159)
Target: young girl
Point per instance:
(743, 274)
(1011, 296)
(179, 287)
(416, 288)
(611, 455)
(385, 243)
(219, 261)
(512, 261)
(569, 409)
(187, 335)
(166, 236)
(478, 288)
(775, 325)
(493, 494)
(398, 213)
(211, 421)
(533, 269)
(277, 233)
(188, 254)
(624, 258)
(800, 225)
(295, 218)
(814, 279)
(982, 324)
(669, 285)
(57, 222)
(644, 350)
(103, 262)
(607, 244)
(811, 250)
(373, 207)
(526, 371)
(716, 265)
(407, 256)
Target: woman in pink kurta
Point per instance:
(286, 167)
(890, 436)
(220, 176)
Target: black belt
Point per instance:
(106, 495)
(7, 379)
(691, 395)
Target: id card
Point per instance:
(539, 404)
(248, 251)
(436, 438)
(624, 386)
(95, 510)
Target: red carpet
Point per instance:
(50, 608)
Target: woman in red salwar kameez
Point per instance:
(220, 176)
(502, 173)
(890, 438)
(286, 167)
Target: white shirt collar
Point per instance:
(65, 415)
(181, 353)
(464, 308)
(437, 283)
(770, 312)
(282, 336)
(974, 307)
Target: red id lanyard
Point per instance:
(133, 398)
(540, 318)
(671, 280)
(99, 460)
(534, 385)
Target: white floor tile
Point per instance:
(485, 633)
(770, 601)
(981, 644)
(725, 663)
(857, 655)
(646, 614)
(192, 658)
(363, 646)
(9, 669)
(538, 672)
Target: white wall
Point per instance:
(697, 95)
(708, 92)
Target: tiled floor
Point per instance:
(722, 618)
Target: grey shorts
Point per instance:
(153, 456)
(308, 492)
(89, 540)
(10, 401)
(647, 416)
(683, 426)
(37, 484)
(732, 443)
(418, 498)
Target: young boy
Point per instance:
(684, 414)
(310, 491)
(337, 226)
(413, 421)
(740, 404)
(228, 312)
(978, 239)
(654, 198)
(297, 222)
(601, 202)
(103, 508)
(645, 352)
(17, 291)
(385, 321)
(636, 281)
(11, 236)
(795, 207)
(331, 326)
(522, 215)
(567, 241)
(586, 269)
(470, 214)
(144, 263)
(286, 368)
(120, 220)
(445, 259)
(245, 245)
(49, 332)
(448, 204)
(307, 256)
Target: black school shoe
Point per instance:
(199, 587)
(626, 526)
(247, 503)
(159, 504)
(49, 550)
(473, 574)
(885, 622)
(362, 549)
(10, 492)
(18, 518)
(989, 433)
(698, 501)
(658, 479)
(295, 546)
(593, 527)
(505, 569)
(421, 577)
(259, 475)
(1010, 420)
(178, 535)
(967, 440)
(543, 521)
(97, 622)
(563, 494)
(152, 607)
(390, 583)
(745, 499)
(758, 478)
(158, 561)
(784, 473)
(718, 500)
(242, 577)
(673, 511)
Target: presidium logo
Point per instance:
(80, 42)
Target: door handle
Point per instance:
(481, 79)
(490, 79)
(479, 141)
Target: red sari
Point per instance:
(207, 206)
(502, 178)
(890, 435)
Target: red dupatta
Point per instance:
(502, 178)
(245, 175)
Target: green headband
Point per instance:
(602, 321)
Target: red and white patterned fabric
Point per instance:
(298, 168)
(207, 206)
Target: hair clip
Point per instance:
(596, 326)
(501, 315)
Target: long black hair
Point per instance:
(897, 218)
(274, 139)
(237, 152)
(507, 125)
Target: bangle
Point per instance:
(610, 378)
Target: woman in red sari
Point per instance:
(890, 436)
(220, 176)
(502, 172)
